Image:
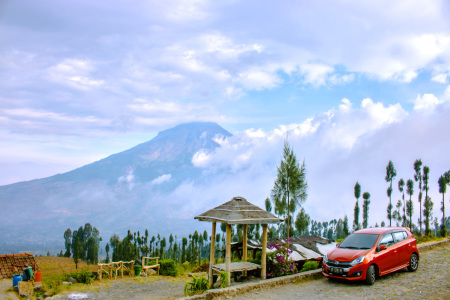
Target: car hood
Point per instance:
(341, 254)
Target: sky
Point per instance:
(350, 84)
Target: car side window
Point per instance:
(405, 234)
(387, 240)
(399, 236)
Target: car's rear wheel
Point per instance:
(413, 262)
(371, 275)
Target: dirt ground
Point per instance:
(430, 281)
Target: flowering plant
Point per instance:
(278, 262)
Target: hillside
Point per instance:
(127, 190)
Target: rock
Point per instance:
(150, 272)
(72, 280)
(66, 283)
(217, 283)
(25, 288)
(48, 293)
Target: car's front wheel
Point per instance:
(413, 262)
(370, 275)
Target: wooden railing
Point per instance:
(114, 268)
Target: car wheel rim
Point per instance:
(372, 277)
(414, 262)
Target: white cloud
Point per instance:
(161, 179)
(75, 73)
(440, 78)
(426, 102)
(316, 74)
(259, 80)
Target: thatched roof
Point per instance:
(238, 211)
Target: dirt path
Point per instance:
(430, 281)
(138, 288)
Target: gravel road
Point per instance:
(138, 288)
(430, 281)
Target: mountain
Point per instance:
(132, 190)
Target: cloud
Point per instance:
(426, 102)
(316, 74)
(161, 179)
(75, 73)
(258, 80)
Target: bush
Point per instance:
(196, 286)
(278, 262)
(83, 276)
(310, 265)
(168, 267)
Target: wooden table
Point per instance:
(236, 267)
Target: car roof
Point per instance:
(380, 230)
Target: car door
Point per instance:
(402, 246)
(388, 258)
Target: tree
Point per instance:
(107, 253)
(302, 222)
(428, 205)
(290, 187)
(76, 249)
(390, 175)
(366, 197)
(268, 205)
(346, 230)
(357, 192)
(68, 242)
(401, 185)
(410, 204)
(418, 178)
(443, 189)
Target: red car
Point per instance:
(369, 253)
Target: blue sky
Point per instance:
(80, 80)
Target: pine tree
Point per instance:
(346, 230)
(366, 197)
(418, 178)
(357, 192)
(290, 187)
(401, 185)
(410, 204)
(390, 175)
(428, 205)
(443, 189)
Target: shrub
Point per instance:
(83, 276)
(278, 261)
(196, 286)
(223, 279)
(310, 265)
(168, 267)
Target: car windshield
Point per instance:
(359, 241)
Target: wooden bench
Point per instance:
(146, 267)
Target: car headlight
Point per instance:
(357, 261)
(325, 258)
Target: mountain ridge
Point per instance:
(111, 190)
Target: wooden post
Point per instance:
(228, 254)
(211, 254)
(263, 252)
(244, 245)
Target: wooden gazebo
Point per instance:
(237, 211)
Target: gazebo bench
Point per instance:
(155, 266)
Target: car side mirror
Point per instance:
(382, 247)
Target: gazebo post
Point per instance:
(263, 252)
(228, 254)
(211, 254)
(244, 245)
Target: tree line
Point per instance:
(287, 196)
